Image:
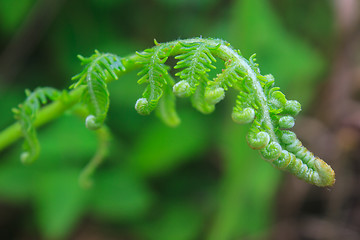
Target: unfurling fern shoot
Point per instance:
(26, 114)
(258, 103)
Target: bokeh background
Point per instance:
(199, 180)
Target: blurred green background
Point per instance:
(199, 180)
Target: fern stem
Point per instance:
(10, 135)
(103, 136)
(46, 114)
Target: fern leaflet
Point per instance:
(26, 115)
(100, 68)
(154, 73)
(196, 63)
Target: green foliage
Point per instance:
(149, 156)
(155, 73)
(179, 222)
(11, 15)
(100, 68)
(239, 197)
(196, 63)
(26, 115)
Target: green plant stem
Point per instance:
(57, 108)
(103, 136)
(46, 114)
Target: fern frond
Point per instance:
(154, 73)
(196, 62)
(259, 102)
(230, 77)
(246, 103)
(100, 68)
(26, 114)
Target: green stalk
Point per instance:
(45, 115)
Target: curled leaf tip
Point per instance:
(141, 106)
(92, 123)
(293, 107)
(247, 115)
(271, 152)
(25, 157)
(182, 89)
(213, 96)
(258, 140)
(284, 160)
(326, 173)
(286, 122)
(288, 137)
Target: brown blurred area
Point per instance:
(334, 134)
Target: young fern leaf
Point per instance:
(26, 115)
(154, 72)
(100, 68)
(228, 78)
(196, 63)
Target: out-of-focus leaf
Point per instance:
(66, 141)
(108, 3)
(9, 99)
(59, 202)
(186, 3)
(178, 222)
(160, 148)
(52, 181)
(118, 195)
(15, 181)
(12, 13)
(313, 19)
(256, 28)
(122, 115)
(248, 187)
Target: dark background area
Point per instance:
(199, 180)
